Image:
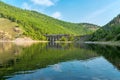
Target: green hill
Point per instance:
(109, 32)
(34, 24)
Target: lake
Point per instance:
(59, 61)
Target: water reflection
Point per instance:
(95, 69)
(8, 54)
(46, 61)
(111, 53)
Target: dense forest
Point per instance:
(109, 32)
(34, 24)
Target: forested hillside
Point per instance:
(34, 24)
(109, 32)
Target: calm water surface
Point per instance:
(59, 62)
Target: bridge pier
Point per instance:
(55, 37)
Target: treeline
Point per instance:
(35, 24)
(109, 32)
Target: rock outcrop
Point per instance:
(5, 36)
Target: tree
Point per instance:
(63, 39)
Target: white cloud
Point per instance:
(43, 2)
(57, 15)
(26, 6)
(57, 67)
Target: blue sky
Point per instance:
(98, 12)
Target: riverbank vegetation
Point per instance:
(35, 25)
(109, 32)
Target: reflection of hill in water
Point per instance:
(15, 58)
(40, 56)
(8, 52)
(5, 47)
(111, 53)
(65, 45)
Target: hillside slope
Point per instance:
(109, 32)
(35, 24)
(9, 30)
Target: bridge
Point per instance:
(55, 37)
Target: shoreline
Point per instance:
(21, 41)
(112, 43)
(64, 41)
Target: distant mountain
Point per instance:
(34, 24)
(109, 32)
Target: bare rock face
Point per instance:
(16, 29)
(5, 36)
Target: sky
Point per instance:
(98, 12)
